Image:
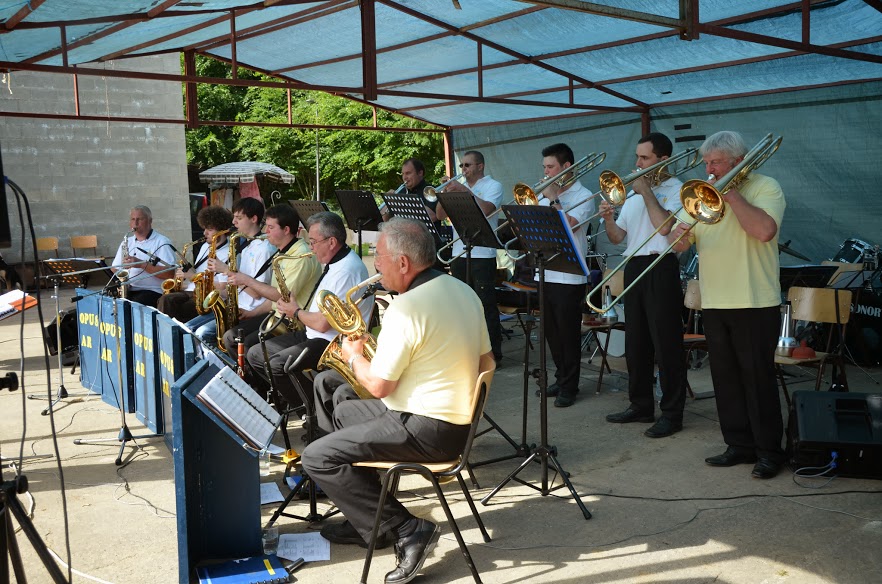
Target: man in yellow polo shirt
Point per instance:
(423, 376)
(740, 301)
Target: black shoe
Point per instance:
(564, 400)
(664, 427)
(731, 457)
(552, 390)
(628, 416)
(411, 552)
(346, 534)
(765, 468)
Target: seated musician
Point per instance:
(180, 304)
(145, 279)
(343, 269)
(253, 260)
(423, 376)
(299, 276)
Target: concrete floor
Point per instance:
(659, 513)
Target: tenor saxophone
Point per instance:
(276, 323)
(346, 319)
(204, 281)
(170, 285)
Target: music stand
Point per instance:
(360, 211)
(545, 233)
(306, 209)
(855, 280)
(807, 276)
(73, 271)
(412, 207)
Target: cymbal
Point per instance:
(784, 248)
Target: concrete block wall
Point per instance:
(83, 177)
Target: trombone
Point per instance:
(431, 193)
(529, 195)
(702, 201)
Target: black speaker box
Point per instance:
(70, 340)
(848, 424)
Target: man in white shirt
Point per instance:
(488, 196)
(653, 328)
(342, 269)
(565, 292)
(143, 242)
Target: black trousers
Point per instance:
(654, 331)
(368, 430)
(249, 328)
(741, 344)
(145, 297)
(179, 305)
(562, 312)
(483, 282)
(279, 349)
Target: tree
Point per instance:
(348, 159)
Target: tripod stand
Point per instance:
(292, 367)
(550, 239)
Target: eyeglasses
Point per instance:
(467, 164)
(314, 242)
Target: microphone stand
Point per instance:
(125, 435)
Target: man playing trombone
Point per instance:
(741, 297)
(488, 195)
(654, 329)
(564, 293)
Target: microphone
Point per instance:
(154, 259)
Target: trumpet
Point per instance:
(346, 319)
(431, 193)
(703, 202)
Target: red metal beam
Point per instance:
(368, 14)
(785, 44)
(191, 94)
(234, 70)
(806, 21)
(22, 13)
(160, 8)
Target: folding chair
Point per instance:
(819, 305)
(84, 242)
(692, 341)
(437, 472)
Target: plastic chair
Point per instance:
(437, 472)
(78, 242)
(48, 244)
(819, 305)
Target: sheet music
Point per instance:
(241, 407)
(312, 547)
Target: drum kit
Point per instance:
(863, 335)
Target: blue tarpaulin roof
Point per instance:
(470, 62)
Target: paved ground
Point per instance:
(659, 513)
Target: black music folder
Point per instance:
(306, 209)
(360, 210)
(543, 230)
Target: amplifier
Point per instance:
(849, 424)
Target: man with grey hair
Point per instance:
(343, 269)
(144, 244)
(740, 301)
(423, 375)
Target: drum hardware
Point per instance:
(785, 248)
(786, 341)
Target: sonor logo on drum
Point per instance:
(867, 310)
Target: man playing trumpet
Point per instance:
(343, 269)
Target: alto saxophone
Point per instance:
(175, 284)
(204, 281)
(226, 314)
(122, 275)
(276, 323)
(346, 319)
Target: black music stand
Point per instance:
(412, 207)
(473, 228)
(74, 271)
(360, 211)
(806, 276)
(545, 233)
(855, 280)
(306, 209)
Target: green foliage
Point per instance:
(348, 159)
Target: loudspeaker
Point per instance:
(849, 424)
(70, 340)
